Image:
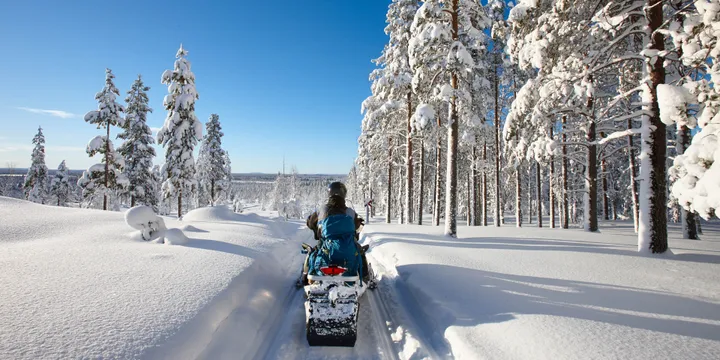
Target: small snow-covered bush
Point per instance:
(143, 218)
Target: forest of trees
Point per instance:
(571, 110)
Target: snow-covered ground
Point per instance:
(508, 293)
(79, 284)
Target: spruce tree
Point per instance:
(59, 187)
(35, 185)
(181, 130)
(105, 178)
(137, 149)
(211, 162)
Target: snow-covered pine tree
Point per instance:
(137, 149)
(59, 187)
(442, 33)
(36, 180)
(621, 22)
(398, 78)
(211, 167)
(228, 190)
(181, 130)
(105, 178)
(696, 170)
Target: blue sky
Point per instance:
(286, 77)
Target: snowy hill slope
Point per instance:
(507, 293)
(78, 284)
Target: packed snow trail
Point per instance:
(274, 328)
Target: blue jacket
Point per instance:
(335, 227)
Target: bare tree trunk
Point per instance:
(699, 227)
(591, 177)
(438, 181)
(212, 192)
(551, 188)
(400, 181)
(474, 176)
(451, 186)
(422, 182)
(497, 145)
(565, 211)
(518, 195)
(603, 168)
(389, 186)
(180, 203)
(107, 167)
(633, 177)
(538, 181)
(529, 192)
(652, 233)
(408, 163)
(614, 210)
(689, 227)
(484, 188)
(475, 187)
(468, 213)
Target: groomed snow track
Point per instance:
(262, 316)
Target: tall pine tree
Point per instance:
(181, 130)
(211, 162)
(137, 149)
(106, 178)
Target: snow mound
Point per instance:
(191, 228)
(143, 218)
(175, 237)
(212, 214)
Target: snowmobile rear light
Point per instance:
(333, 270)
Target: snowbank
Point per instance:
(74, 286)
(175, 237)
(507, 293)
(213, 214)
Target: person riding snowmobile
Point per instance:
(335, 226)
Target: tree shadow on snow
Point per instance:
(222, 246)
(475, 297)
(501, 243)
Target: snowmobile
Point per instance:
(332, 303)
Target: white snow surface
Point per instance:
(528, 293)
(77, 284)
(175, 237)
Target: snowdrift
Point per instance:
(76, 285)
(213, 214)
(507, 293)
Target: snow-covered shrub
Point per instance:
(143, 218)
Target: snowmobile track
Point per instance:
(373, 340)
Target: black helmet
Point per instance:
(337, 189)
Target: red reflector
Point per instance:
(333, 270)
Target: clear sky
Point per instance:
(286, 77)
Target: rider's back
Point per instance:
(336, 227)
